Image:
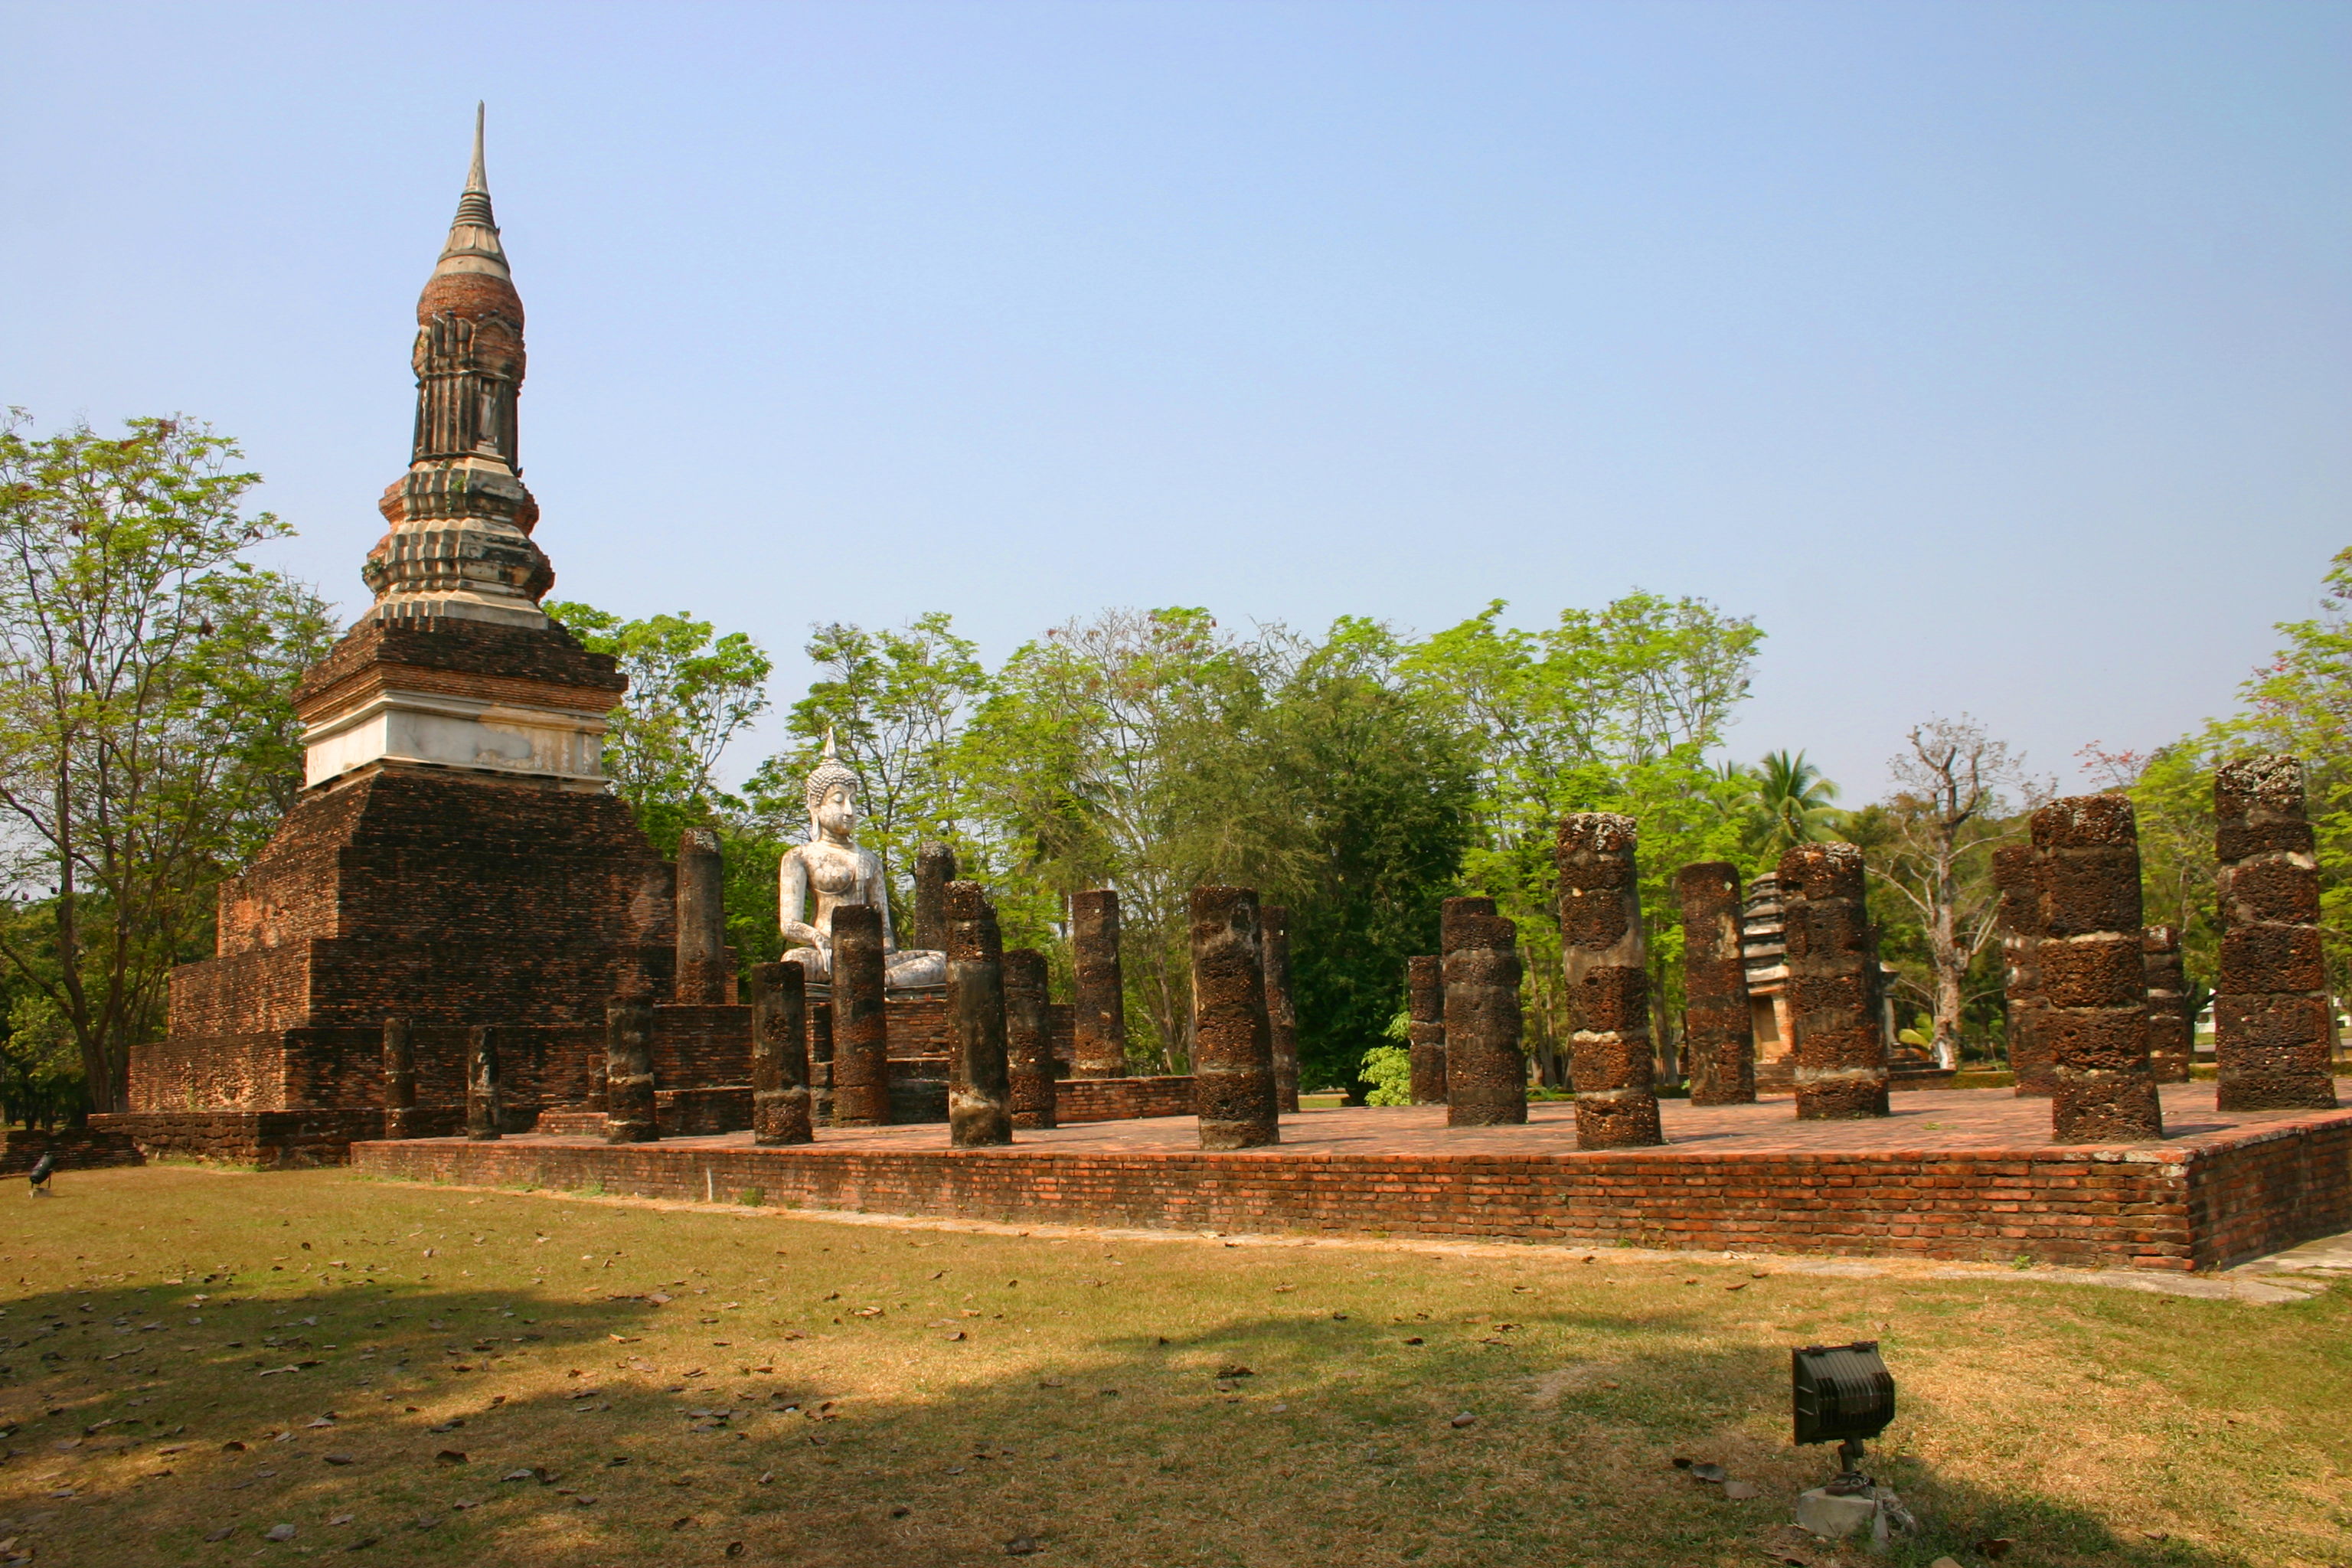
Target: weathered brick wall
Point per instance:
(2084, 1207)
(280, 1138)
(87, 1151)
(2271, 1190)
(1121, 1099)
(241, 1072)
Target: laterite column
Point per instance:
(629, 1072)
(1425, 988)
(482, 1084)
(1099, 997)
(2274, 1031)
(980, 1097)
(2094, 979)
(1233, 1042)
(701, 920)
(2171, 1033)
(400, 1119)
(1606, 963)
(1485, 1071)
(1028, 1038)
(780, 1092)
(935, 867)
(1281, 1015)
(1839, 1059)
(861, 1059)
(1718, 1026)
(2018, 918)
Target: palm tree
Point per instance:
(1791, 804)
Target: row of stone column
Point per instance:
(1464, 1009)
(2091, 991)
(2098, 1005)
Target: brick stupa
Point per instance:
(454, 857)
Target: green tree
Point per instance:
(1608, 709)
(1373, 783)
(691, 692)
(1789, 801)
(1125, 752)
(148, 742)
(896, 702)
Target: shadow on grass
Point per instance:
(1296, 1439)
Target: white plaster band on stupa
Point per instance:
(440, 730)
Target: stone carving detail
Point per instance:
(1233, 1042)
(861, 1066)
(2094, 979)
(2171, 1033)
(459, 545)
(1841, 1050)
(2274, 1031)
(1606, 960)
(1719, 1025)
(482, 1084)
(629, 1072)
(1028, 1038)
(980, 1095)
(2019, 920)
(1426, 1018)
(781, 1112)
(1281, 1012)
(831, 871)
(1099, 996)
(1485, 1071)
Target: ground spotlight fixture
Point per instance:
(1841, 1393)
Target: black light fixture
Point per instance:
(1841, 1393)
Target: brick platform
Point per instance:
(1956, 1173)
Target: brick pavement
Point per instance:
(1968, 1119)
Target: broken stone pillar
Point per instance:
(2171, 1033)
(701, 921)
(1718, 1024)
(2018, 918)
(2274, 1031)
(980, 1095)
(1098, 996)
(935, 867)
(1028, 1038)
(1233, 1042)
(861, 1060)
(1424, 985)
(1281, 1015)
(1840, 1056)
(482, 1084)
(1485, 1071)
(399, 1081)
(1606, 961)
(781, 1112)
(2093, 979)
(629, 1072)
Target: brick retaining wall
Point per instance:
(75, 1150)
(2173, 1209)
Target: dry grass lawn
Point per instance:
(190, 1359)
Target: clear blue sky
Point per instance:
(1994, 357)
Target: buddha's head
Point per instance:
(833, 797)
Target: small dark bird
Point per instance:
(43, 1169)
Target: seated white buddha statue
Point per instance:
(831, 871)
